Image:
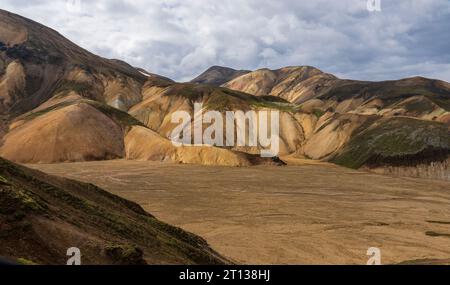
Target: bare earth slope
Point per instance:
(70, 130)
(39, 63)
(42, 216)
(77, 132)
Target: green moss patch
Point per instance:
(120, 117)
(28, 201)
(78, 87)
(223, 99)
(4, 181)
(24, 261)
(392, 92)
(318, 113)
(34, 115)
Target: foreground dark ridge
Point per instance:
(41, 216)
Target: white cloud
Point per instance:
(180, 39)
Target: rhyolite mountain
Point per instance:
(61, 103)
(58, 102)
(398, 127)
(37, 64)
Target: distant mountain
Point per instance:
(218, 75)
(60, 103)
(162, 98)
(415, 111)
(296, 83)
(300, 84)
(306, 86)
(303, 85)
(42, 216)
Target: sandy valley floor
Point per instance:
(305, 214)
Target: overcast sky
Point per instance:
(181, 38)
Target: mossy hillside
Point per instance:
(224, 99)
(368, 122)
(276, 103)
(395, 138)
(14, 198)
(35, 114)
(23, 186)
(419, 106)
(190, 91)
(122, 118)
(382, 90)
(158, 81)
(4, 181)
(134, 234)
(67, 86)
(19, 194)
(342, 120)
(442, 101)
(29, 201)
(391, 92)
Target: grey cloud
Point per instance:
(180, 39)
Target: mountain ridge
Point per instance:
(218, 75)
(320, 114)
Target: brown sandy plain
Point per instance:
(303, 213)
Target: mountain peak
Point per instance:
(51, 62)
(218, 75)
